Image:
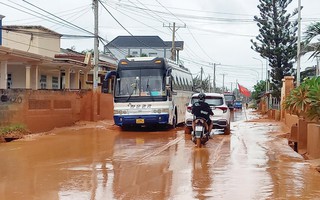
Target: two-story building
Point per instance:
(135, 46)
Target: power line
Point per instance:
(58, 17)
(137, 20)
(170, 12)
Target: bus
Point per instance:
(150, 91)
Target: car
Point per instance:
(238, 105)
(217, 102)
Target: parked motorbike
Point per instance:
(200, 133)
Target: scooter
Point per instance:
(200, 133)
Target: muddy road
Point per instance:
(100, 161)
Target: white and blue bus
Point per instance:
(150, 91)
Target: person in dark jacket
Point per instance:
(201, 109)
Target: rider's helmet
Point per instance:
(201, 97)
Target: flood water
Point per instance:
(100, 161)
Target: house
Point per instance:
(134, 46)
(40, 82)
(31, 58)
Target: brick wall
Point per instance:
(43, 110)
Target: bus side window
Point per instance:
(177, 83)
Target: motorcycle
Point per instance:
(200, 133)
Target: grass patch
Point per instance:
(12, 128)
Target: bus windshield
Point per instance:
(140, 82)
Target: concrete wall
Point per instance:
(290, 120)
(313, 148)
(33, 43)
(44, 110)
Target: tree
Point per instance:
(258, 90)
(198, 85)
(312, 32)
(277, 40)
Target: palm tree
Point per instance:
(312, 32)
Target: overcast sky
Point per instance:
(217, 31)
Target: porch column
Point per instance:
(3, 74)
(67, 78)
(85, 79)
(76, 79)
(35, 80)
(28, 77)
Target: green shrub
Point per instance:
(12, 128)
(304, 100)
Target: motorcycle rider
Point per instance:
(201, 109)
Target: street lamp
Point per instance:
(261, 66)
(257, 74)
(299, 41)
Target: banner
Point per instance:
(244, 91)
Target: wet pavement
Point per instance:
(100, 161)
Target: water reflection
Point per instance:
(201, 177)
(107, 163)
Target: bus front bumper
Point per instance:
(122, 120)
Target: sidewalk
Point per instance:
(315, 163)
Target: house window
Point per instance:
(55, 82)
(134, 53)
(9, 81)
(43, 82)
(153, 54)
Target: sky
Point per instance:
(213, 31)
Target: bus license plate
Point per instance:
(139, 121)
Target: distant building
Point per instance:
(135, 46)
(308, 72)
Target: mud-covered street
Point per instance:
(100, 161)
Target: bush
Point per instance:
(304, 100)
(12, 128)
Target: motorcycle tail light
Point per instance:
(189, 108)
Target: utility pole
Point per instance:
(214, 76)
(174, 28)
(96, 45)
(317, 67)
(299, 41)
(209, 84)
(223, 81)
(1, 17)
(201, 80)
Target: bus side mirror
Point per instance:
(168, 83)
